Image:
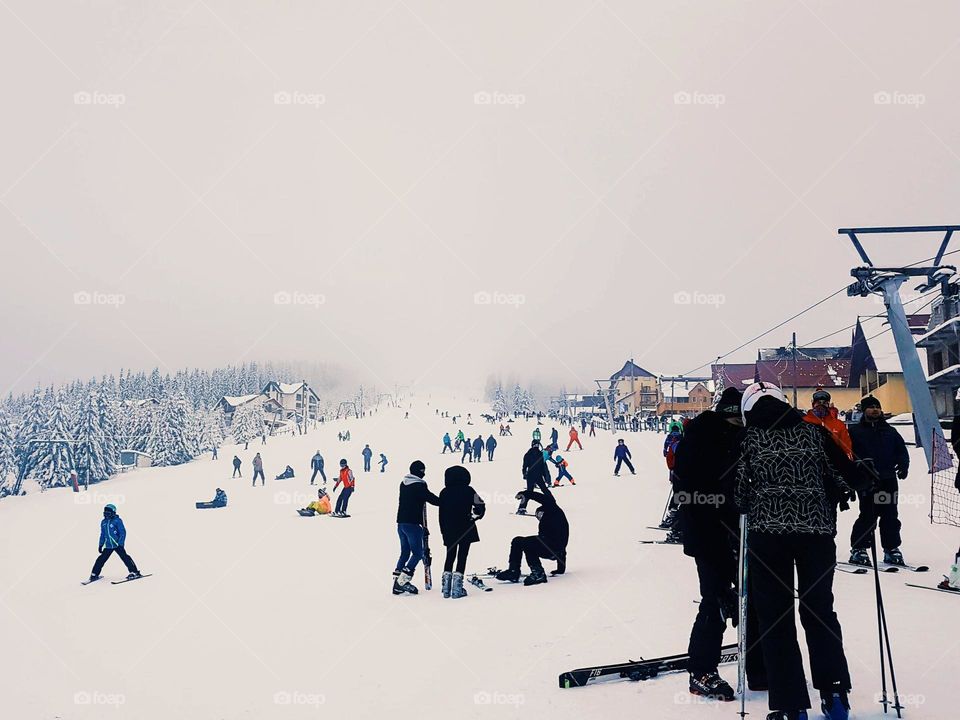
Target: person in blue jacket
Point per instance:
(367, 454)
(383, 462)
(447, 443)
(113, 536)
(316, 464)
(467, 451)
(622, 455)
(491, 446)
(477, 448)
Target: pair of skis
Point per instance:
(118, 582)
(639, 669)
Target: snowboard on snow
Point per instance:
(639, 669)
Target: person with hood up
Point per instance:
(491, 446)
(550, 542)
(467, 451)
(113, 538)
(574, 438)
(236, 467)
(460, 508)
(477, 448)
(790, 478)
(825, 415)
(320, 506)
(536, 473)
(411, 512)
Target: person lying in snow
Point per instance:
(286, 474)
(219, 501)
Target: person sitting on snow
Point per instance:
(320, 506)
(549, 543)
(219, 501)
(286, 474)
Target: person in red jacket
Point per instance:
(574, 438)
(825, 415)
(348, 481)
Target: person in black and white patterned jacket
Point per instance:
(790, 479)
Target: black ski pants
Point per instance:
(459, 554)
(626, 461)
(533, 483)
(105, 555)
(533, 549)
(877, 507)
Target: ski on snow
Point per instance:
(126, 580)
(911, 568)
(934, 588)
(852, 569)
(638, 669)
(427, 557)
(883, 568)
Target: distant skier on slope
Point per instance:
(622, 455)
(258, 470)
(316, 464)
(367, 454)
(491, 446)
(550, 542)
(467, 451)
(411, 509)
(382, 462)
(236, 467)
(447, 443)
(554, 437)
(460, 508)
(113, 538)
(574, 438)
(536, 435)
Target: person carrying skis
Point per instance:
(825, 415)
(491, 446)
(367, 454)
(411, 511)
(790, 478)
(535, 472)
(874, 438)
(467, 451)
(622, 455)
(477, 448)
(113, 538)
(320, 506)
(460, 508)
(258, 470)
(382, 462)
(348, 481)
(550, 542)
(316, 464)
(705, 467)
(574, 438)
(446, 443)
(562, 471)
(236, 467)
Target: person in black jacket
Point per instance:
(535, 472)
(875, 439)
(460, 508)
(704, 477)
(549, 543)
(411, 512)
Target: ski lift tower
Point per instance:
(886, 281)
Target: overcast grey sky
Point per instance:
(378, 164)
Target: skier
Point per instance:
(554, 437)
(236, 467)
(113, 536)
(258, 470)
(214, 450)
(549, 543)
(705, 467)
(219, 501)
(467, 451)
(593, 429)
(382, 462)
(822, 413)
(491, 446)
(574, 438)
(320, 506)
(536, 435)
(583, 424)
(535, 472)
(622, 455)
(286, 474)
(874, 438)
(367, 454)
(789, 487)
(670, 446)
(446, 443)
(477, 448)
(348, 481)
(460, 508)
(316, 464)
(458, 441)
(562, 471)
(411, 510)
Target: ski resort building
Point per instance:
(297, 400)
(688, 396)
(738, 375)
(941, 341)
(824, 367)
(229, 404)
(876, 364)
(634, 390)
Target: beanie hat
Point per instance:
(456, 474)
(418, 468)
(729, 403)
(868, 402)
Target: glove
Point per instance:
(902, 473)
(519, 495)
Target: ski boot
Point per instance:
(401, 583)
(521, 511)
(134, 575)
(952, 581)
(711, 685)
(788, 715)
(858, 556)
(572, 481)
(893, 557)
(456, 586)
(556, 483)
(835, 705)
(445, 582)
(94, 578)
(668, 521)
(674, 537)
(535, 577)
(510, 575)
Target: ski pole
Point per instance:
(883, 633)
(742, 624)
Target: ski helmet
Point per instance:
(343, 462)
(821, 394)
(757, 391)
(110, 507)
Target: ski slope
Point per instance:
(255, 612)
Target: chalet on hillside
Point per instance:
(229, 404)
(688, 396)
(634, 390)
(298, 400)
(825, 367)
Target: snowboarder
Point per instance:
(562, 471)
(460, 508)
(536, 474)
(446, 443)
(382, 462)
(348, 481)
(822, 413)
(574, 438)
(320, 506)
(491, 446)
(367, 454)
(286, 474)
(622, 455)
(113, 538)
(411, 511)
(467, 451)
(789, 487)
(219, 501)
(477, 448)
(874, 438)
(236, 467)
(316, 464)
(550, 542)
(258, 470)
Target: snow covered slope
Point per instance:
(255, 612)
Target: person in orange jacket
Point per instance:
(574, 438)
(822, 413)
(348, 481)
